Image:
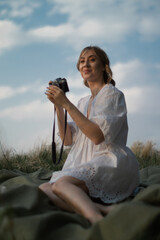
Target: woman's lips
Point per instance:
(86, 71)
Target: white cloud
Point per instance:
(142, 100)
(36, 109)
(134, 99)
(7, 92)
(33, 110)
(135, 73)
(11, 35)
(18, 8)
(25, 11)
(78, 34)
(116, 20)
(75, 81)
(51, 33)
(103, 21)
(139, 83)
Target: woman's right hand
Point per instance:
(49, 93)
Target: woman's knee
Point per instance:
(58, 185)
(62, 183)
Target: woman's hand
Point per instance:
(56, 96)
(60, 101)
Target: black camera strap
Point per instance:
(53, 139)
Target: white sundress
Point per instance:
(109, 169)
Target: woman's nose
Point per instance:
(86, 63)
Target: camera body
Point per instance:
(61, 83)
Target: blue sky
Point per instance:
(41, 40)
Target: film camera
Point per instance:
(61, 83)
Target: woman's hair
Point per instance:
(107, 74)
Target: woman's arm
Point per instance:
(89, 128)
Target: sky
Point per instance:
(41, 40)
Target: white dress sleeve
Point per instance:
(110, 113)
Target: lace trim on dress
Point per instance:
(87, 175)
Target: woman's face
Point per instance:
(90, 67)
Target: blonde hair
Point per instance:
(107, 74)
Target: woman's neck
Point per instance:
(95, 89)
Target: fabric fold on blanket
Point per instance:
(27, 213)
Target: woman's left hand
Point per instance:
(56, 96)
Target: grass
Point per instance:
(147, 155)
(40, 157)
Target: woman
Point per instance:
(99, 165)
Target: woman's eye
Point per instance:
(92, 59)
(81, 61)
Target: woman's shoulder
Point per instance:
(110, 90)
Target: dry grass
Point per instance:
(40, 157)
(146, 153)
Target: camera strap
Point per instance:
(53, 139)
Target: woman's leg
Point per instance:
(105, 209)
(75, 201)
(47, 189)
(75, 193)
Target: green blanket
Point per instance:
(27, 214)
